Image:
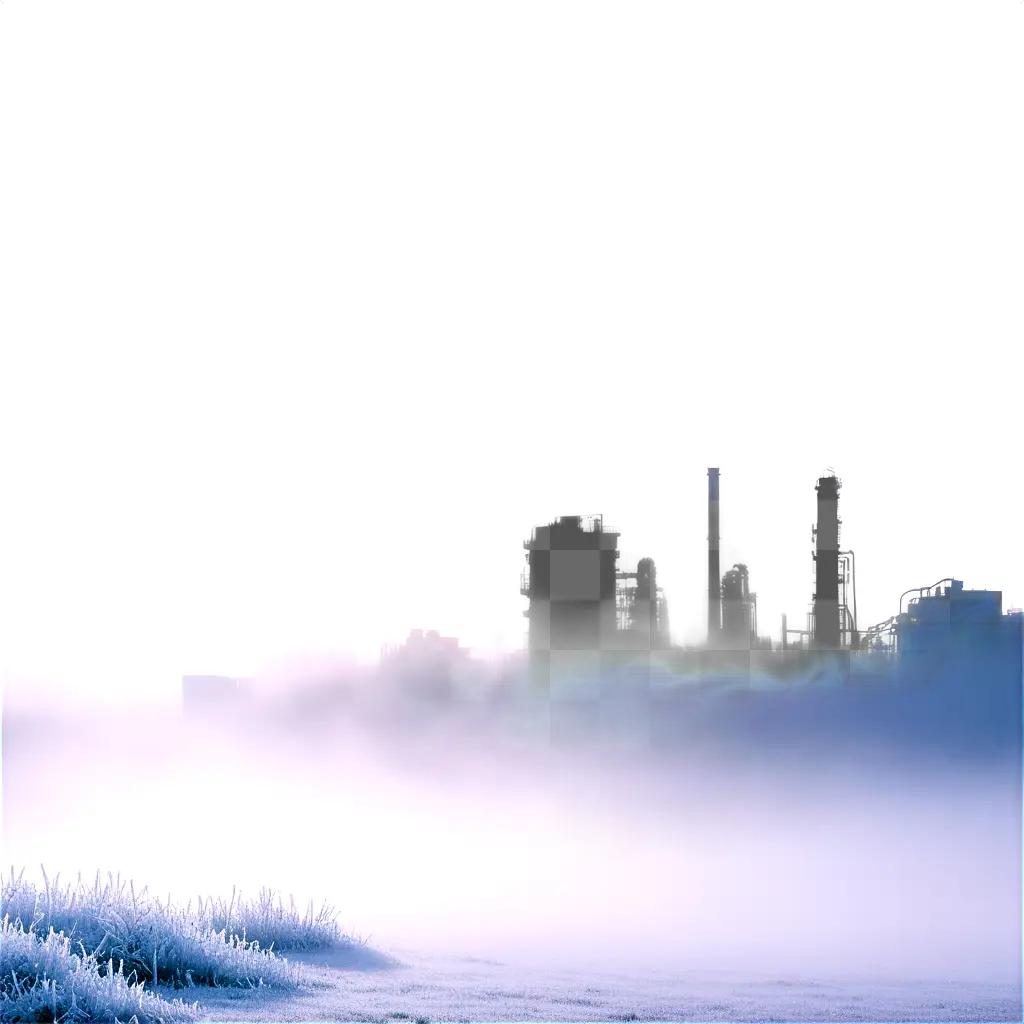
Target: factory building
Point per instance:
(944, 621)
(584, 613)
(958, 643)
(732, 606)
(739, 610)
(570, 581)
(641, 609)
(427, 665)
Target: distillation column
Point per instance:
(826, 565)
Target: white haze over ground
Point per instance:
(311, 312)
(830, 865)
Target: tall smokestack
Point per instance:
(714, 570)
(826, 565)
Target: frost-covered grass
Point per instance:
(43, 979)
(275, 924)
(211, 942)
(81, 952)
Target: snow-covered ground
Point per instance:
(472, 989)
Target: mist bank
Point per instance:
(824, 828)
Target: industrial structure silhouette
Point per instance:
(586, 617)
(591, 622)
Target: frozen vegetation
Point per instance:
(93, 951)
(275, 925)
(43, 979)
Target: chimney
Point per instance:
(714, 571)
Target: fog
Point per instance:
(312, 312)
(483, 829)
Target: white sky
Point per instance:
(310, 311)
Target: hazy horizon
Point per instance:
(252, 646)
(308, 321)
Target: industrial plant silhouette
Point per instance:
(588, 618)
(597, 631)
